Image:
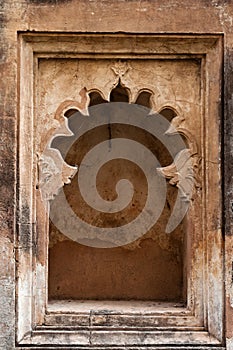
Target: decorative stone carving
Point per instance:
(177, 128)
(54, 172)
(180, 174)
(121, 68)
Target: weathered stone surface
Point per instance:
(201, 16)
(182, 98)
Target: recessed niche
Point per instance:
(150, 268)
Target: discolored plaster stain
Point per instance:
(51, 3)
(229, 318)
(7, 175)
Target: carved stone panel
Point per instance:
(122, 171)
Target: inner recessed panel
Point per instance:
(152, 266)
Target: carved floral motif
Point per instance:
(54, 172)
(121, 68)
(180, 173)
(181, 159)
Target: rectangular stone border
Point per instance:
(32, 239)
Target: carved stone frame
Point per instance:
(199, 324)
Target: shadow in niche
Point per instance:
(144, 99)
(119, 94)
(96, 99)
(151, 268)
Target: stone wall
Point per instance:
(104, 16)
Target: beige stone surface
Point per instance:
(18, 157)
